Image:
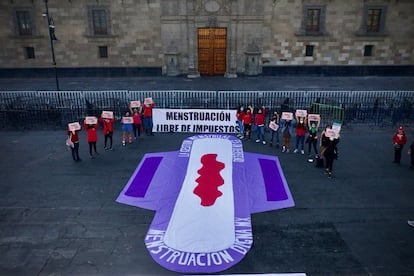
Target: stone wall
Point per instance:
(144, 32)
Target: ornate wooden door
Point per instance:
(212, 51)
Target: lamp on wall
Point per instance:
(52, 38)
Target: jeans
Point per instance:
(274, 134)
(75, 151)
(148, 124)
(241, 127)
(300, 140)
(260, 132)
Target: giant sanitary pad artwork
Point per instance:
(203, 195)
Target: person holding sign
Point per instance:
(136, 109)
(107, 120)
(259, 124)
(148, 124)
(247, 123)
(127, 122)
(312, 140)
(91, 126)
(240, 114)
(300, 133)
(274, 129)
(287, 125)
(399, 139)
(73, 136)
(329, 140)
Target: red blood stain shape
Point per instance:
(209, 180)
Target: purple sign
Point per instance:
(203, 196)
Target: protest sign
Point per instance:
(301, 113)
(287, 116)
(135, 104)
(127, 120)
(273, 126)
(74, 126)
(107, 114)
(91, 120)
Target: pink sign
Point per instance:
(287, 116)
(314, 117)
(273, 126)
(127, 120)
(301, 113)
(135, 104)
(148, 101)
(107, 115)
(91, 120)
(332, 133)
(74, 126)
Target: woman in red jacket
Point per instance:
(92, 136)
(399, 139)
(107, 130)
(259, 124)
(247, 123)
(74, 138)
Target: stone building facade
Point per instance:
(207, 37)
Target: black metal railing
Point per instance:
(55, 109)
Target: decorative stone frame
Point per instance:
(363, 28)
(322, 21)
(90, 9)
(16, 25)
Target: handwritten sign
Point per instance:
(287, 116)
(301, 113)
(148, 101)
(336, 127)
(314, 117)
(74, 126)
(91, 120)
(135, 104)
(332, 133)
(107, 115)
(127, 120)
(273, 126)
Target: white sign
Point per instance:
(332, 133)
(74, 126)
(301, 113)
(91, 120)
(336, 127)
(314, 117)
(148, 101)
(195, 120)
(135, 104)
(107, 115)
(127, 120)
(287, 116)
(273, 126)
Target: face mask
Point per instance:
(241, 108)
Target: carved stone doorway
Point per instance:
(212, 44)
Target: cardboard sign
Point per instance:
(135, 104)
(287, 116)
(273, 126)
(301, 113)
(91, 120)
(127, 120)
(332, 133)
(314, 117)
(148, 101)
(74, 126)
(107, 115)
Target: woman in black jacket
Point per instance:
(329, 149)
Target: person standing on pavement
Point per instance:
(127, 122)
(329, 144)
(74, 138)
(137, 122)
(300, 135)
(399, 139)
(92, 136)
(274, 129)
(259, 124)
(107, 130)
(240, 114)
(148, 123)
(287, 129)
(312, 139)
(247, 123)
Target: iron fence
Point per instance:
(55, 109)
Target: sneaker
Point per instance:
(264, 142)
(110, 148)
(295, 151)
(287, 150)
(106, 148)
(302, 152)
(257, 141)
(329, 174)
(411, 223)
(123, 143)
(283, 149)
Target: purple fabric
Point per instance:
(142, 180)
(275, 189)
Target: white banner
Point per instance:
(195, 120)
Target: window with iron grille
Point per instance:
(99, 20)
(30, 52)
(309, 51)
(103, 51)
(313, 20)
(24, 23)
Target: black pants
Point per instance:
(108, 136)
(312, 142)
(397, 154)
(329, 159)
(92, 145)
(75, 151)
(137, 130)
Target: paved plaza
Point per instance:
(59, 217)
